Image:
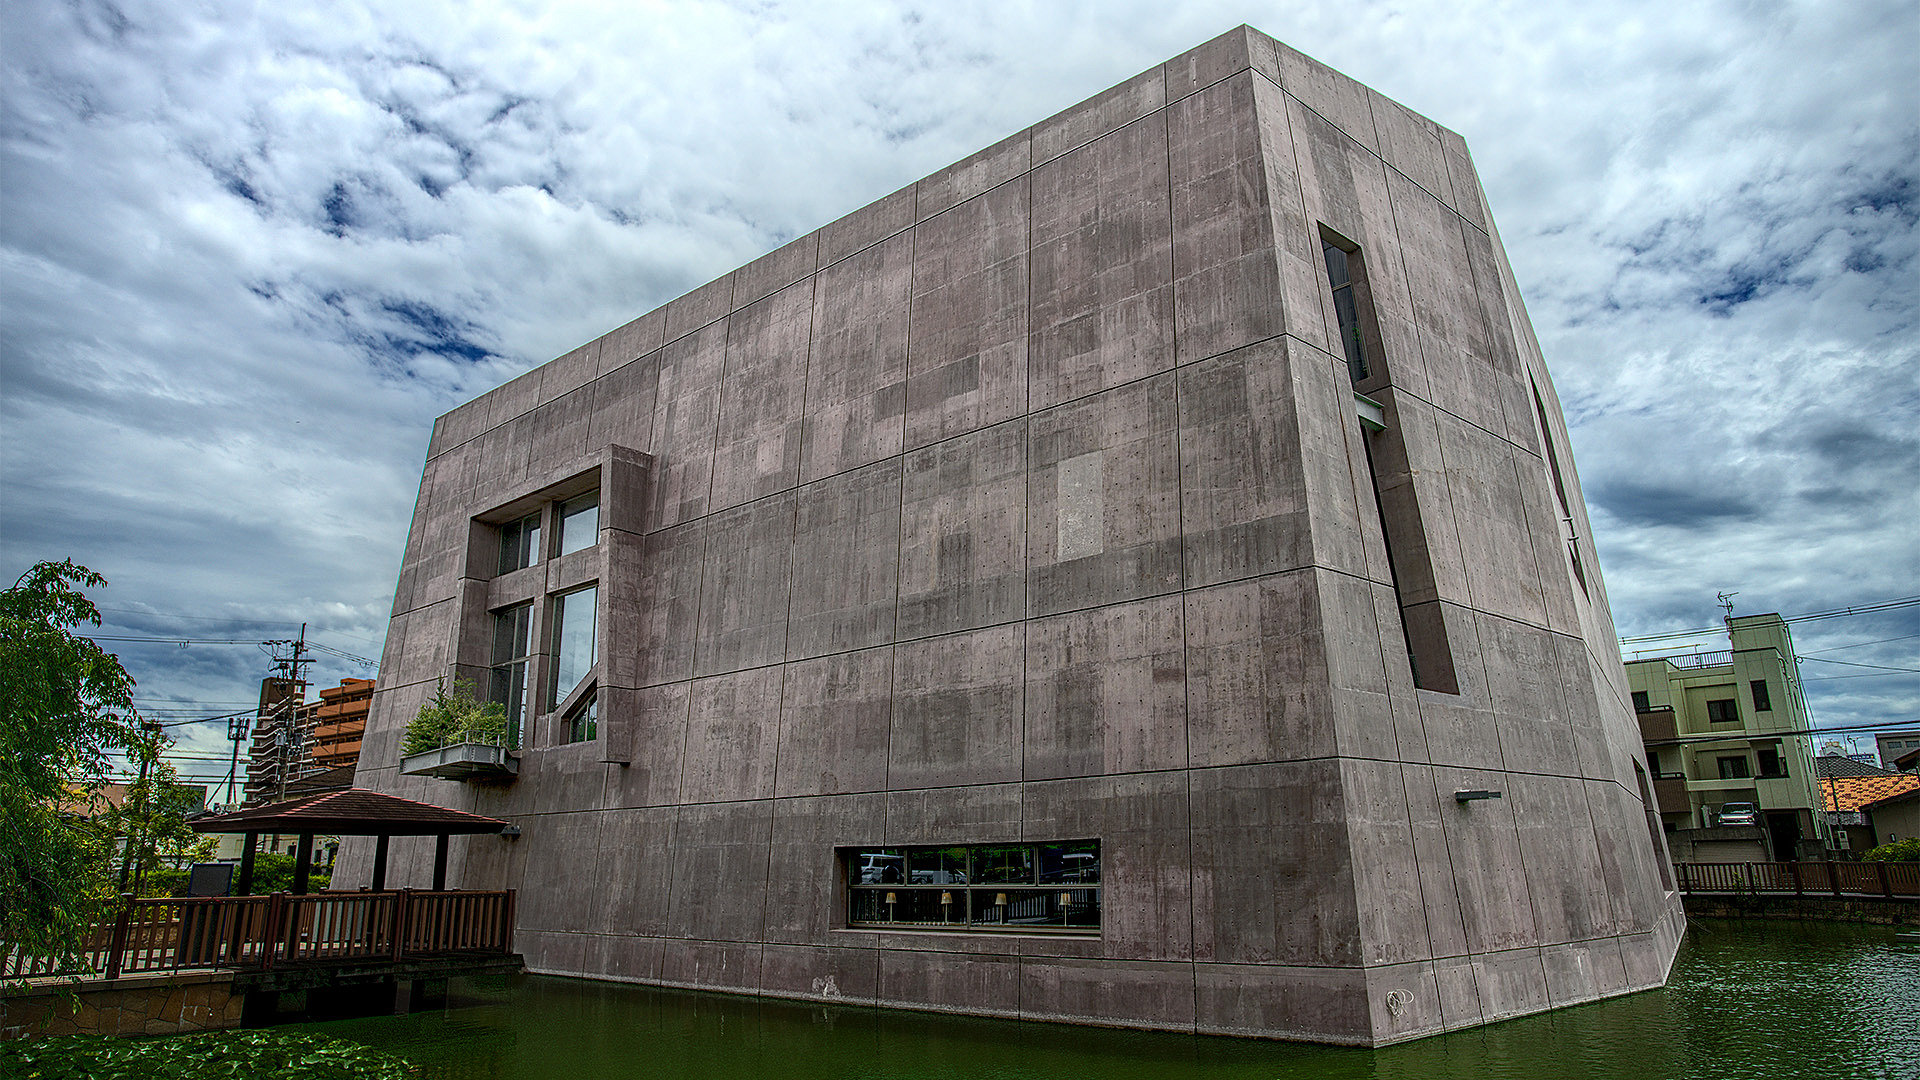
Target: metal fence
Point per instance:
(1883, 879)
(180, 933)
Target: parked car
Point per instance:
(1739, 813)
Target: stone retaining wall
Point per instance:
(136, 1005)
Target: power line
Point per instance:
(1850, 663)
(1866, 609)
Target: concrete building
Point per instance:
(1890, 746)
(1134, 575)
(1730, 728)
(304, 748)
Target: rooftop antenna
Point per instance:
(1726, 602)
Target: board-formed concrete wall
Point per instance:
(1030, 502)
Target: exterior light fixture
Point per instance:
(510, 832)
(1474, 795)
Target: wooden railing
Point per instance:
(1883, 879)
(149, 936)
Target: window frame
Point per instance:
(975, 900)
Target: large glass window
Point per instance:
(512, 647)
(579, 523)
(519, 544)
(1002, 887)
(573, 641)
(1723, 711)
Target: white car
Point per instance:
(1739, 813)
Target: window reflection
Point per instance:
(579, 523)
(1004, 887)
(573, 640)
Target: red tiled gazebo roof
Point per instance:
(353, 812)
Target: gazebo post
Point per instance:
(244, 887)
(303, 864)
(380, 864)
(440, 864)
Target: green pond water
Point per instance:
(1746, 1000)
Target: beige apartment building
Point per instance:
(1729, 728)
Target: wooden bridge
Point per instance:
(262, 933)
(200, 963)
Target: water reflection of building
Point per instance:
(1136, 574)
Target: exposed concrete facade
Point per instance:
(1032, 503)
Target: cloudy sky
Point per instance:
(248, 251)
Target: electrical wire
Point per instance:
(1895, 604)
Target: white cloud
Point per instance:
(250, 251)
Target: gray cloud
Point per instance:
(250, 251)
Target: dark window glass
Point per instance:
(1003, 865)
(584, 723)
(937, 866)
(512, 645)
(1723, 711)
(1052, 886)
(579, 523)
(1640, 702)
(1734, 768)
(519, 543)
(1770, 764)
(1346, 306)
(1070, 863)
(573, 640)
(877, 866)
(1762, 701)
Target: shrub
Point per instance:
(456, 717)
(1907, 850)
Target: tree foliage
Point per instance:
(455, 717)
(64, 705)
(1907, 850)
(152, 819)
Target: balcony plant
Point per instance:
(450, 718)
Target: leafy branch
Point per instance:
(450, 718)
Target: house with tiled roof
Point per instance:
(1848, 788)
(1896, 817)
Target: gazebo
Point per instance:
(353, 812)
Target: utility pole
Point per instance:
(290, 746)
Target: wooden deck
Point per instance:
(265, 933)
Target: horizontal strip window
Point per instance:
(1050, 887)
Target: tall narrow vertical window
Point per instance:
(579, 523)
(1342, 271)
(1560, 490)
(1422, 623)
(519, 543)
(512, 647)
(573, 641)
(1762, 701)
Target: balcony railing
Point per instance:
(1885, 879)
(263, 932)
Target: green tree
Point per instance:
(64, 705)
(149, 829)
(456, 717)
